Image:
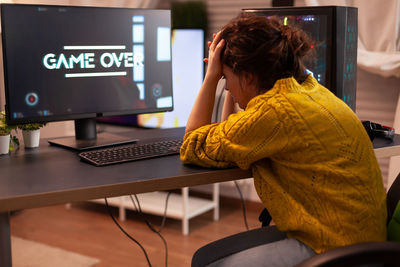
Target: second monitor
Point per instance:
(187, 77)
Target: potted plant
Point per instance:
(7, 141)
(31, 133)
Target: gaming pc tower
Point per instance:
(333, 30)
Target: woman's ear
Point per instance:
(250, 78)
(249, 82)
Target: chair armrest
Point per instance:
(362, 253)
(235, 243)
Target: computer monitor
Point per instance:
(80, 63)
(188, 74)
(333, 30)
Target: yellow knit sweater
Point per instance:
(313, 164)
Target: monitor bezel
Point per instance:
(72, 116)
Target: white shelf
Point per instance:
(154, 203)
(180, 206)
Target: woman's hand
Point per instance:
(214, 69)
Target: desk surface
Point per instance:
(51, 175)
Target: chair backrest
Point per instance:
(393, 196)
(393, 209)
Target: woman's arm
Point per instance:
(228, 108)
(203, 107)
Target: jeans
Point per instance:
(285, 252)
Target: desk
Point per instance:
(51, 175)
(387, 148)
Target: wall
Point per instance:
(220, 12)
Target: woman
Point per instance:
(313, 164)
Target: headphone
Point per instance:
(378, 130)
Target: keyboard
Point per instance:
(131, 152)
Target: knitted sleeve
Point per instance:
(244, 138)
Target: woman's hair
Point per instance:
(265, 48)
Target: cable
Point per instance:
(139, 210)
(151, 227)
(243, 205)
(130, 237)
(158, 232)
(165, 213)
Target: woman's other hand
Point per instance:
(214, 69)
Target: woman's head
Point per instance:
(264, 50)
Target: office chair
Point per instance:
(352, 255)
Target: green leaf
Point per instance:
(30, 126)
(14, 142)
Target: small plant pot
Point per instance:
(4, 144)
(31, 138)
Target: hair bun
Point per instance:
(296, 40)
(286, 32)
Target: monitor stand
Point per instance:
(86, 137)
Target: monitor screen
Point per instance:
(64, 62)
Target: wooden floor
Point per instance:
(88, 229)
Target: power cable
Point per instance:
(243, 205)
(129, 236)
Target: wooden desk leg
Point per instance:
(5, 240)
(185, 207)
(216, 201)
(122, 212)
